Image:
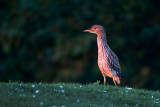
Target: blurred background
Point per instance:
(43, 40)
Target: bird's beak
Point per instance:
(88, 30)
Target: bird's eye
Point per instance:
(94, 28)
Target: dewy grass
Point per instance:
(77, 95)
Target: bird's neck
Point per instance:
(101, 39)
(102, 46)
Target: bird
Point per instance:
(108, 61)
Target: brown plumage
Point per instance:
(107, 60)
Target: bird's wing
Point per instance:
(114, 63)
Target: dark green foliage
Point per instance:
(50, 95)
(42, 40)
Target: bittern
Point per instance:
(107, 60)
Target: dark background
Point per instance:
(43, 40)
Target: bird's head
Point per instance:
(97, 29)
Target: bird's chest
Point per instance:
(102, 55)
(104, 68)
(103, 62)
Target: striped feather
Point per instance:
(107, 58)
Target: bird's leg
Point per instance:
(114, 81)
(104, 80)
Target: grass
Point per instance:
(77, 95)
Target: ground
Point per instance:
(76, 95)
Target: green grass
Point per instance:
(77, 95)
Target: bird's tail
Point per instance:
(117, 80)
